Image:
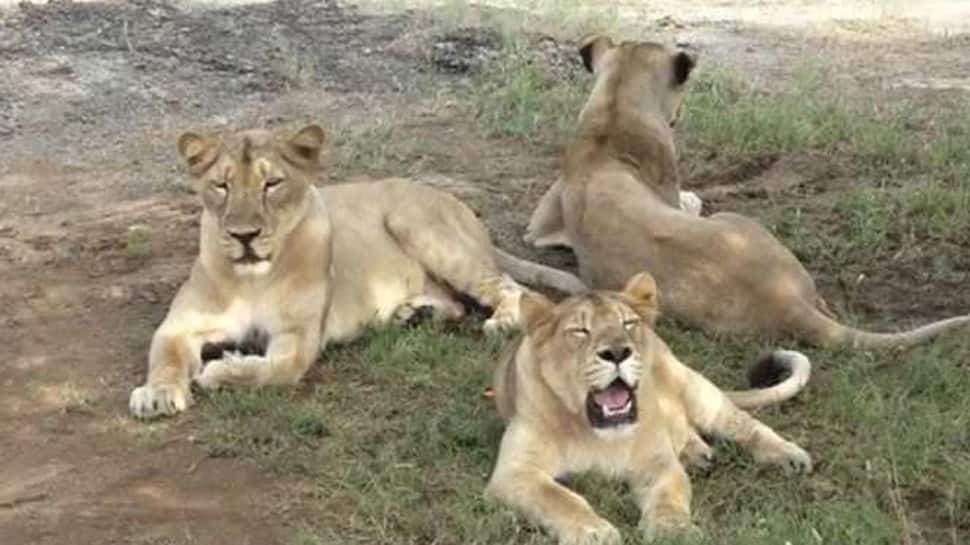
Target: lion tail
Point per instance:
(534, 274)
(766, 376)
(824, 331)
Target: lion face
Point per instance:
(638, 71)
(591, 350)
(255, 185)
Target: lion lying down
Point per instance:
(620, 208)
(285, 268)
(590, 386)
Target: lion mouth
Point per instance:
(612, 406)
(249, 257)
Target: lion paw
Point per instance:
(153, 400)
(698, 454)
(599, 533)
(691, 203)
(558, 239)
(500, 324)
(408, 315)
(672, 528)
(788, 456)
(233, 368)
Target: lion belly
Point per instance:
(372, 276)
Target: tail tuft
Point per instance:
(776, 377)
(768, 371)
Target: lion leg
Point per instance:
(712, 412)
(287, 359)
(456, 250)
(522, 481)
(436, 303)
(663, 492)
(561, 511)
(171, 361)
(547, 227)
(765, 446)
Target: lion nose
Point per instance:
(244, 237)
(615, 354)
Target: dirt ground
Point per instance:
(92, 97)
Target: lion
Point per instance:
(589, 386)
(285, 268)
(618, 205)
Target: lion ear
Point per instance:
(198, 152)
(641, 294)
(591, 48)
(306, 144)
(534, 309)
(683, 65)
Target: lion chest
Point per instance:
(242, 317)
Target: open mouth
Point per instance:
(612, 406)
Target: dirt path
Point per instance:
(92, 96)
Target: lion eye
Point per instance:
(578, 332)
(273, 182)
(630, 324)
(222, 187)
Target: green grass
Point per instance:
(517, 96)
(363, 146)
(409, 442)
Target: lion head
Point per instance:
(255, 186)
(648, 74)
(592, 350)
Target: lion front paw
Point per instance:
(153, 400)
(789, 456)
(234, 368)
(679, 528)
(698, 454)
(499, 324)
(599, 533)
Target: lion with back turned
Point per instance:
(285, 268)
(619, 206)
(589, 386)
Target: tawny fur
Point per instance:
(542, 383)
(619, 207)
(321, 265)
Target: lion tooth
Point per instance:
(622, 410)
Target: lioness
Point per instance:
(590, 386)
(285, 268)
(619, 207)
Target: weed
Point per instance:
(138, 242)
(518, 97)
(367, 145)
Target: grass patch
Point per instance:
(728, 115)
(277, 426)
(517, 96)
(363, 146)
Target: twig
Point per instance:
(124, 30)
(16, 502)
(898, 503)
(195, 465)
